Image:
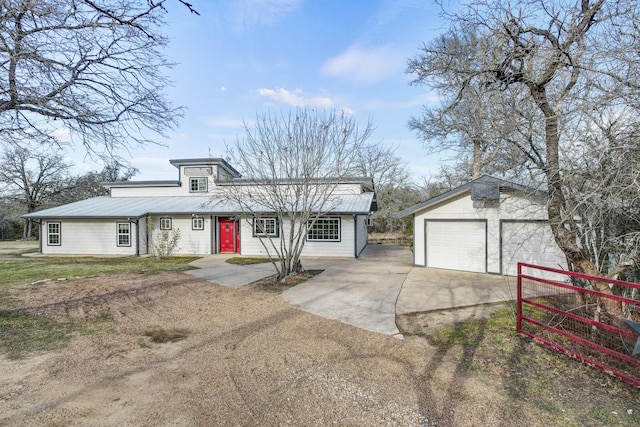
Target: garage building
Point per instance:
(485, 226)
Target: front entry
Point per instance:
(229, 235)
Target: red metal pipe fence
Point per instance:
(564, 311)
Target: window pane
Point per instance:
(124, 231)
(53, 233)
(197, 223)
(325, 229)
(265, 227)
(198, 185)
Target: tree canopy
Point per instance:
(297, 157)
(88, 72)
(562, 94)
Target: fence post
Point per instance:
(519, 300)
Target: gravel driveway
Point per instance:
(250, 358)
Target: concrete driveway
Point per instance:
(369, 291)
(360, 292)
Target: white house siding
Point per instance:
(152, 191)
(361, 233)
(88, 237)
(143, 233)
(191, 242)
(461, 208)
(529, 242)
(251, 246)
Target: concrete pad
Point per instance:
(429, 289)
(360, 292)
(369, 291)
(215, 269)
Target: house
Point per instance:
(486, 226)
(130, 220)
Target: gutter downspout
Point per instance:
(212, 230)
(147, 233)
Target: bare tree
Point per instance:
(31, 180)
(90, 70)
(391, 179)
(293, 162)
(556, 66)
(89, 184)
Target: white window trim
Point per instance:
(128, 234)
(258, 233)
(59, 234)
(163, 223)
(198, 220)
(200, 181)
(319, 220)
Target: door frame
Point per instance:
(236, 233)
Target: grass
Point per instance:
(537, 380)
(23, 333)
(471, 332)
(271, 284)
(17, 269)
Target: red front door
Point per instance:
(229, 235)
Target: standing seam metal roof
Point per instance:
(137, 207)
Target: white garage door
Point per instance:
(530, 242)
(457, 245)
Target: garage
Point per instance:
(484, 226)
(530, 242)
(456, 245)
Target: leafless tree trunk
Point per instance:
(31, 179)
(559, 66)
(293, 162)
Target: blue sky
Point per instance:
(242, 58)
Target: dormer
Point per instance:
(196, 177)
(200, 175)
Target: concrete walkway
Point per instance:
(369, 291)
(215, 268)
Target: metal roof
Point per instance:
(485, 180)
(136, 207)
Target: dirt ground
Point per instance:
(251, 358)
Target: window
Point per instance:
(197, 223)
(165, 223)
(124, 234)
(265, 227)
(53, 234)
(324, 229)
(198, 185)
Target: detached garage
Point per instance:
(485, 226)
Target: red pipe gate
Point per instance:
(562, 310)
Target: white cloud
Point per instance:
(249, 13)
(223, 89)
(296, 98)
(365, 65)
